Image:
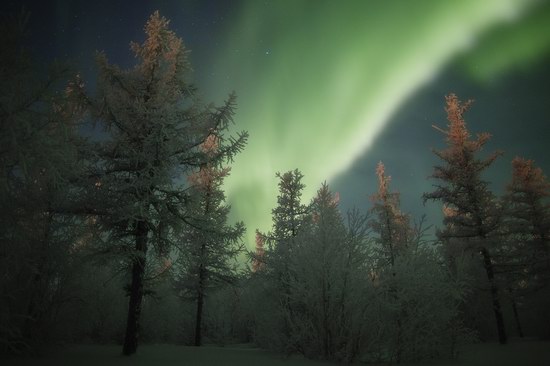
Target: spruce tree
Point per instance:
(471, 212)
(288, 218)
(280, 244)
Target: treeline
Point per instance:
(140, 211)
(376, 288)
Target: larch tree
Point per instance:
(210, 246)
(526, 228)
(472, 214)
(155, 125)
(394, 235)
(528, 213)
(416, 302)
(388, 222)
(258, 260)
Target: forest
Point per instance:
(122, 236)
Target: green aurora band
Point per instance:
(318, 80)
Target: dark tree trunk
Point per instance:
(38, 288)
(200, 303)
(136, 290)
(202, 277)
(326, 330)
(516, 314)
(494, 295)
(399, 341)
(32, 321)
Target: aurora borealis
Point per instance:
(317, 81)
(334, 74)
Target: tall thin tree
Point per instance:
(472, 215)
(391, 225)
(210, 245)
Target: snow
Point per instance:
(163, 355)
(524, 353)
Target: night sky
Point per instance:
(333, 87)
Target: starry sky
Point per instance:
(333, 87)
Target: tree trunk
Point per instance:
(38, 288)
(202, 276)
(399, 341)
(136, 289)
(325, 316)
(200, 303)
(494, 295)
(516, 314)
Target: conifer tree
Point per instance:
(394, 236)
(321, 261)
(155, 125)
(527, 230)
(288, 218)
(472, 218)
(529, 211)
(391, 225)
(280, 244)
(258, 260)
(210, 246)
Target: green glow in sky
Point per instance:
(510, 45)
(317, 81)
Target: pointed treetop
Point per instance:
(458, 133)
(326, 198)
(161, 44)
(528, 177)
(461, 146)
(383, 181)
(258, 258)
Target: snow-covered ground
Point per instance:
(520, 353)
